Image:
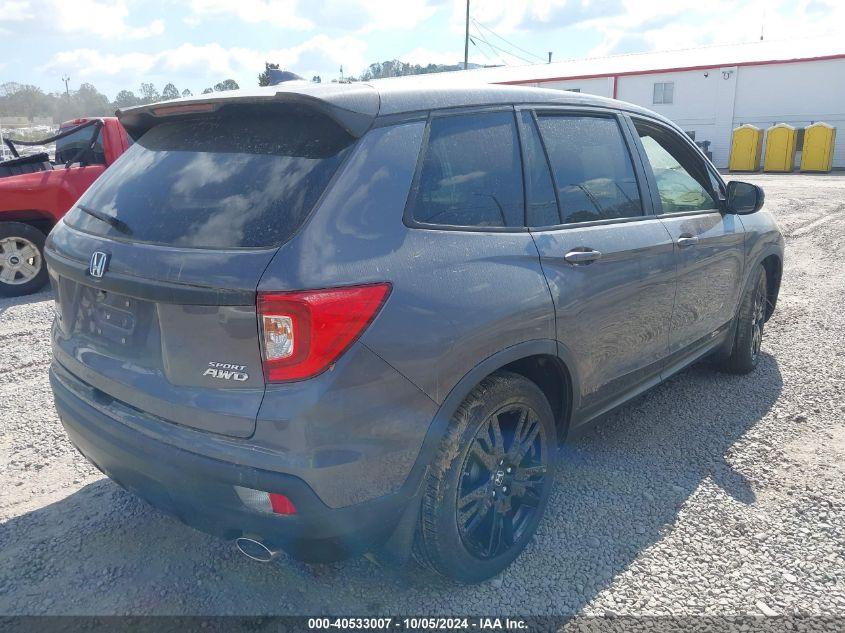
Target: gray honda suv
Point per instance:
(332, 319)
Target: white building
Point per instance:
(709, 91)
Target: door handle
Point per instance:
(686, 241)
(582, 257)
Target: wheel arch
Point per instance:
(523, 358)
(553, 378)
(40, 220)
(773, 265)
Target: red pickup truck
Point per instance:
(35, 192)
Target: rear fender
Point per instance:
(461, 390)
(398, 543)
(41, 220)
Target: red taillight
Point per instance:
(304, 332)
(267, 502)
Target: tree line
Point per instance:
(26, 100)
(379, 70)
(396, 68)
(30, 101)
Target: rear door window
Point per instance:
(471, 173)
(540, 189)
(247, 179)
(592, 168)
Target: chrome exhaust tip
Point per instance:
(256, 550)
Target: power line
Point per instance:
(509, 43)
(480, 50)
(500, 49)
(477, 36)
(495, 50)
(494, 58)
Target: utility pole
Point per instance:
(466, 40)
(66, 79)
(550, 57)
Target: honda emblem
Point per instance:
(99, 264)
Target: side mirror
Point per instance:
(744, 198)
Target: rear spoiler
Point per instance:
(353, 107)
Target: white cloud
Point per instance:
(90, 62)
(210, 63)
(385, 15)
(642, 25)
(657, 25)
(156, 27)
(508, 16)
(277, 12)
(15, 10)
(102, 18)
(361, 15)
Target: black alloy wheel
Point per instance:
(487, 488)
(502, 481)
(758, 318)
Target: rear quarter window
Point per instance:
(470, 174)
(245, 179)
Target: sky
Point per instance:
(117, 44)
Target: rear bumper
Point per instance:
(198, 489)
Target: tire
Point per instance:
(22, 267)
(749, 328)
(503, 486)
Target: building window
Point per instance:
(664, 91)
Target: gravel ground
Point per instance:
(712, 494)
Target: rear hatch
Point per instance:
(155, 269)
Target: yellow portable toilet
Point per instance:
(780, 148)
(817, 152)
(746, 146)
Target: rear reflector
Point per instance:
(281, 504)
(303, 333)
(268, 502)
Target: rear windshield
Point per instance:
(243, 180)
